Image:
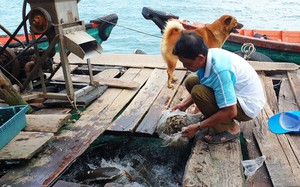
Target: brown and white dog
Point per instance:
(214, 35)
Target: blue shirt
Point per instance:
(232, 78)
(218, 76)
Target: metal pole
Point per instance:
(90, 71)
(65, 63)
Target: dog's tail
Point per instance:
(171, 34)
(171, 28)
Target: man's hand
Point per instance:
(184, 104)
(179, 106)
(190, 130)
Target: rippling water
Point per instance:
(147, 162)
(258, 14)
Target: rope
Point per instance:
(129, 28)
(248, 49)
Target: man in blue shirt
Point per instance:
(226, 88)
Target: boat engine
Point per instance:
(17, 62)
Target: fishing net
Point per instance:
(170, 125)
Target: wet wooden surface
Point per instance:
(282, 165)
(162, 102)
(24, 146)
(136, 112)
(282, 153)
(45, 122)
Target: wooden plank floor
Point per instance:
(137, 111)
(24, 146)
(282, 151)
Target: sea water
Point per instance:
(146, 160)
(134, 32)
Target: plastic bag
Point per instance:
(251, 166)
(170, 125)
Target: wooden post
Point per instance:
(9, 94)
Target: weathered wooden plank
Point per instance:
(181, 94)
(156, 61)
(285, 151)
(132, 115)
(110, 82)
(53, 111)
(281, 161)
(286, 99)
(119, 98)
(117, 83)
(289, 100)
(294, 80)
(105, 77)
(270, 94)
(285, 146)
(162, 102)
(99, 68)
(289, 94)
(24, 145)
(108, 73)
(214, 164)
(272, 66)
(59, 74)
(125, 60)
(72, 142)
(294, 142)
(261, 177)
(45, 122)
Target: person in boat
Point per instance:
(226, 88)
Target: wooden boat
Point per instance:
(280, 46)
(99, 28)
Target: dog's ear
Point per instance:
(228, 20)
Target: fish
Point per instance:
(99, 174)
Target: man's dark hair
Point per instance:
(190, 45)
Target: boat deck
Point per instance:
(136, 111)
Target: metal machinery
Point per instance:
(60, 20)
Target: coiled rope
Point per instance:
(248, 49)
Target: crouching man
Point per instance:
(226, 88)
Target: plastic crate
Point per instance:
(12, 121)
